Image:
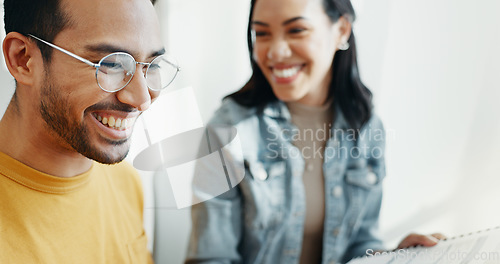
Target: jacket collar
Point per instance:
(278, 110)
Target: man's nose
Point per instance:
(137, 93)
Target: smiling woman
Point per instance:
(305, 77)
(295, 54)
(305, 199)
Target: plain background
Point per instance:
(433, 66)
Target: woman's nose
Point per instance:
(279, 50)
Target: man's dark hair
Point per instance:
(42, 18)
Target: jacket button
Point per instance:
(260, 172)
(371, 178)
(337, 191)
(336, 232)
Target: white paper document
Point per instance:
(481, 247)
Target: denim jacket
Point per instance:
(262, 219)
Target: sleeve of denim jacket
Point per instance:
(367, 235)
(217, 223)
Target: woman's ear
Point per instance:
(19, 51)
(344, 27)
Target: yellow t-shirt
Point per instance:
(93, 218)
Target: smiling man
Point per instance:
(84, 71)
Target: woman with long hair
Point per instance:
(313, 148)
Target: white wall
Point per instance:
(437, 93)
(6, 80)
(432, 65)
(209, 40)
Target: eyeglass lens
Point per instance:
(116, 71)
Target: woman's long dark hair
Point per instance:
(349, 93)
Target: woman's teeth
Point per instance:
(285, 73)
(116, 123)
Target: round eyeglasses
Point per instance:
(116, 70)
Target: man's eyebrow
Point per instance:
(158, 53)
(108, 48)
(286, 22)
(105, 48)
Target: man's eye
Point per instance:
(110, 67)
(154, 67)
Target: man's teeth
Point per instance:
(116, 123)
(285, 73)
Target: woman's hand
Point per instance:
(421, 240)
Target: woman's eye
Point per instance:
(296, 30)
(261, 33)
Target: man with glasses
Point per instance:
(84, 72)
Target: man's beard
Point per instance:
(56, 111)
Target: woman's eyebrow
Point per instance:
(291, 20)
(286, 22)
(260, 23)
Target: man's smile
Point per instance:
(115, 125)
(115, 122)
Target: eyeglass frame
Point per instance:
(98, 65)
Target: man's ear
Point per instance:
(20, 53)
